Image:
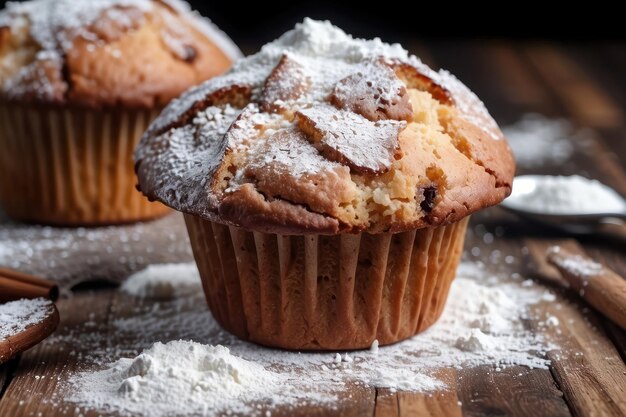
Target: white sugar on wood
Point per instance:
(165, 281)
(17, 316)
(482, 325)
(576, 264)
(565, 195)
(537, 141)
(179, 378)
(69, 256)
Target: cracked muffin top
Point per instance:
(322, 133)
(138, 53)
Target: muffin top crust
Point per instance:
(323, 133)
(137, 53)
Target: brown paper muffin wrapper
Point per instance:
(316, 292)
(71, 166)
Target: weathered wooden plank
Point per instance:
(386, 403)
(443, 403)
(587, 366)
(513, 391)
(6, 373)
(618, 336)
(70, 256)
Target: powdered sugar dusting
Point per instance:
(328, 54)
(179, 377)
(483, 324)
(352, 139)
(374, 92)
(17, 316)
(54, 25)
(471, 107)
(288, 153)
(69, 256)
(576, 264)
(351, 92)
(185, 157)
(536, 140)
(165, 281)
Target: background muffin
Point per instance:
(79, 82)
(326, 183)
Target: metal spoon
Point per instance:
(572, 222)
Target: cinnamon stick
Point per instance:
(15, 285)
(598, 285)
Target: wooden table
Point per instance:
(584, 83)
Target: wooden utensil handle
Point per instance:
(598, 285)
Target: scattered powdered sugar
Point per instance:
(483, 324)
(17, 316)
(182, 162)
(181, 378)
(564, 195)
(475, 341)
(576, 264)
(284, 153)
(403, 380)
(70, 256)
(165, 281)
(349, 137)
(536, 140)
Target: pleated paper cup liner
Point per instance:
(316, 292)
(72, 166)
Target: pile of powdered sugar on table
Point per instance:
(482, 325)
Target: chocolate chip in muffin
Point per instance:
(190, 54)
(430, 194)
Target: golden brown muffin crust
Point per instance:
(323, 133)
(137, 53)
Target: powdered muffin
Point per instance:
(79, 83)
(326, 182)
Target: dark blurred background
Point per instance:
(257, 22)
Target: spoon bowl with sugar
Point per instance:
(573, 203)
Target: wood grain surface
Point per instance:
(583, 83)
